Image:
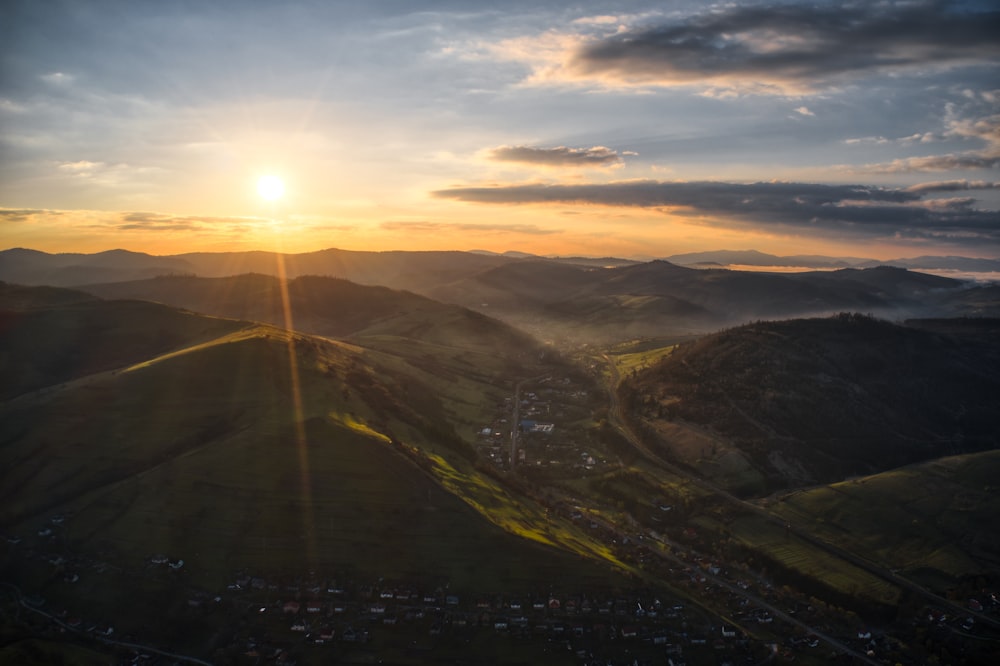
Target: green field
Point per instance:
(804, 558)
(935, 522)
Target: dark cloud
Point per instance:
(435, 227)
(561, 156)
(799, 207)
(793, 46)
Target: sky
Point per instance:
(628, 129)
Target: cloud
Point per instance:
(423, 226)
(985, 130)
(560, 156)
(142, 221)
(803, 208)
(953, 186)
(81, 167)
(773, 49)
(25, 214)
(804, 110)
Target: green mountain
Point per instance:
(257, 450)
(803, 401)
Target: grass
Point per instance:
(933, 521)
(212, 455)
(774, 542)
(639, 355)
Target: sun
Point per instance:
(270, 187)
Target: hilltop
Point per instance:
(817, 400)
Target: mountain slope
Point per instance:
(266, 451)
(327, 306)
(822, 399)
(50, 336)
(933, 521)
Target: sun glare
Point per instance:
(270, 187)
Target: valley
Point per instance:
(244, 469)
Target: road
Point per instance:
(19, 598)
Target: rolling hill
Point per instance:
(250, 448)
(49, 336)
(657, 298)
(932, 521)
(328, 306)
(576, 299)
(803, 401)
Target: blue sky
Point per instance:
(637, 129)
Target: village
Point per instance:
(541, 427)
(702, 608)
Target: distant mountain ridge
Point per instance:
(417, 271)
(574, 299)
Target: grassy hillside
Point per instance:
(265, 449)
(821, 399)
(934, 522)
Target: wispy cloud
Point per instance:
(424, 226)
(985, 130)
(804, 208)
(142, 221)
(560, 156)
(25, 214)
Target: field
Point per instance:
(935, 522)
(775, 543)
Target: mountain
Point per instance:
(658, 298)
(817, 400)
(330, 307)
(943, 263)
(53, 335)
(398, 269)
(248, 448)
(755, 258)
(30, 267)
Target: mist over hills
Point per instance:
(573, 299)
(661, 298)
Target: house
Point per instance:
(314, 607)
(728, 632)
(291, 607)
(298, 625)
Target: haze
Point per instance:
(633, 129)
